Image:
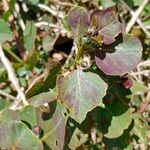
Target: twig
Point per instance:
(13, 55)
(136, 15)
(142, 26)
(63, 3)
(48, 9)
(17, 14)
(12, 76)
(8, 96)
(144, 63)
(136, 78)
(43, 23)
(141, 72)
(15, 32)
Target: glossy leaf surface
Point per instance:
(81, 92)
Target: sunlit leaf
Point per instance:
(16, 135)
(106, 23)
(5, 32)
(123, 58)
(81, 92)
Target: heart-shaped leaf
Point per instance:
(16, 135)
(81, 92)
(106, 23)
(123, 58)
(77, 21)
(52, 122)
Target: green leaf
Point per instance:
(49, 82)
(28, 114)
(81, 92)
(29, 36)
(3, 73)
(117, 60)
(107, 3)
(16, 135)
(106, 23)
(137, 87)
(8, 115)
(140, 128)
(119, 123)
(40, 99)
(121, 143)
(4, 103)
(77, 139)
(5, 32)
(48, 43)
(33, 2)
(53, 124)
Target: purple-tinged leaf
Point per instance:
(78, 21)
(81, 92)
(106, 23)
(123, 58)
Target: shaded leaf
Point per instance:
(106, 23)
(81, 92)
(5, 32)
(3, 73)
(49, 81)
(16, 135)
(122, 59)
